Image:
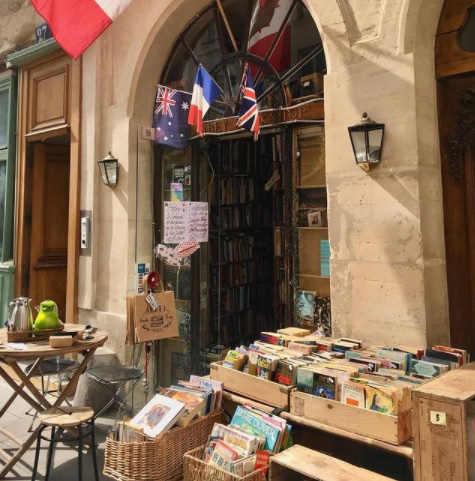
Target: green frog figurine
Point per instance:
(47, 317)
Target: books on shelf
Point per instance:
(312, 210)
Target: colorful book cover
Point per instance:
(252, 422)
(325, 386)
(353, 394)
(325, 258)
(285, 373)
(158, 415)
(305, 379)
(427, 369)
(381, 399)
(266, 365)
(305, 304)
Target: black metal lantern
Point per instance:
(109, 167)
(367, 141)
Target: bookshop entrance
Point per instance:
(266, 264)
(266, 261)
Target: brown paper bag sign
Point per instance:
(153, 324)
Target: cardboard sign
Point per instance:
(153, 324)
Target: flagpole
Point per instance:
(228, 27)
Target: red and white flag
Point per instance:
(75, 24)
(266, 21)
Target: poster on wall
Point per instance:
(185, 221)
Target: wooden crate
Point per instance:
(444, 415)
(386, 428)
(298, 462)
(252, 387)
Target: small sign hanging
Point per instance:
(152, 302)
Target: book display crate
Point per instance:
(252, 387)
(444, 420)
(299, 463)
(380, 426)
(160, 458)
(195, 469)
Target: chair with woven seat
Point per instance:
(66, 418)
(114, 379)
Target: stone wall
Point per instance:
(17, 25)
(386, 227)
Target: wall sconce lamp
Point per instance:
(109, 167)
(367, 141)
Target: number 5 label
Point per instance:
(438, 418)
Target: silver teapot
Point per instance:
(20, 317)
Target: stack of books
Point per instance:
(176, 405)
(245, 445)
(376, 378)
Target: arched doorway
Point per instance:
(246, 279)
(455, 70)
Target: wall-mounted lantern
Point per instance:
(367, 141)
(109, 167)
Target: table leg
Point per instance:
(32, 372)
(27, 384)
(18, 390)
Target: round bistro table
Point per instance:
(38, 352)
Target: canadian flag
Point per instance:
(266, 22)
(75, 24)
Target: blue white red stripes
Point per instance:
(205, 92)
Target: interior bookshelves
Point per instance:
(243, 214)
(313, 260)
(268, 233)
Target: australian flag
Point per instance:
(249, 113)
(170, 117)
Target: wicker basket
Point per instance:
(160, 459)
(195, 469)
(32, 336)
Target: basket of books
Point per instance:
(196, 469)
(240, 450)
(151, 446)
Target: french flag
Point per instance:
(205, 92)
(76, 24)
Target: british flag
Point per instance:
(249, 113)
(170, 117)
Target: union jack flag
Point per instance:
(249, 113)
(164, 101)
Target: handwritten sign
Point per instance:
(185, 221)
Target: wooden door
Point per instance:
(457, 138)
(49, 225)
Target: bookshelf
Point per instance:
(310, 210)
(241, 271)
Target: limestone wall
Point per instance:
(386, 228)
